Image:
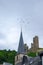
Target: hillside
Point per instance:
(7, 56)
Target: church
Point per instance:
(22, 59)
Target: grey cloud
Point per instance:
(2, 36)
(10, 10)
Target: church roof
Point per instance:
(21, 45)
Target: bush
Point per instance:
(32, 54)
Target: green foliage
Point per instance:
(7, 56)
(32, 54)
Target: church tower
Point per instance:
(21, 51)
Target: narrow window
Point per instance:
(17, 57)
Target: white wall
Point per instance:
(5, 63)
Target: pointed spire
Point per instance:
(21, 44)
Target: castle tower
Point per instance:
(36, 42)
(20, 53)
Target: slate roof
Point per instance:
(31, 61)
(21, 45)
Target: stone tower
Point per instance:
(35, 44)
(21, 51)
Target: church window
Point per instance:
(17, 57)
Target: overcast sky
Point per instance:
(15, 14)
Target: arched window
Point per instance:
(17, 57)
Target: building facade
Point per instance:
(22, 59)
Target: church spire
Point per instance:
(21, 44)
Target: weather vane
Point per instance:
(23, 22)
